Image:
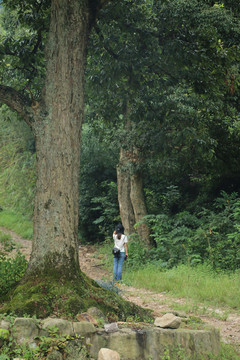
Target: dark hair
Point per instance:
(119, 229)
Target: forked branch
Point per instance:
(16, 101)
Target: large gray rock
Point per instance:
(133, 344)
(138, 344)
(107, 354)
(25, 330)
(168, 321)
(64, 327)
(193, 341)
(113, 327)
(151, 343)
(83, 328)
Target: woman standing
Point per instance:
(120, 242)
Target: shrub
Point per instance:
(210, 235)
(11, 269)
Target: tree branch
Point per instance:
(39, 41)
(16, 101)
(101, 37)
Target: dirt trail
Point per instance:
(160, 303)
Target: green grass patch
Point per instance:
(197, 283)
(227, 352)
(16, 222)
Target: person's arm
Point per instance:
(125, 247)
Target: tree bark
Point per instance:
(139, 206)
(131, 196)
(130, 187)
(53, 282)
(124, 189)
(57, 129)
(17, 102)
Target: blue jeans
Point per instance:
(117, 267)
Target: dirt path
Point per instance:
(160, 303)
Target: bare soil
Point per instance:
(160, 303)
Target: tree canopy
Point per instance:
(161, 92)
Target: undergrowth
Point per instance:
(12, 269)
(16, 222)
(198, 283)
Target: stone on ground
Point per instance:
(168, 321)
(107, 354)
(109, 328)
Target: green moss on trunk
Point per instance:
(55, 296)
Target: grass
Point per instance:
(16, 222)
(227, 352)
(197, 283)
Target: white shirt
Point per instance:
(119, 243)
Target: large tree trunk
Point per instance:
(131, 196)
(54, 283)
(124, 190)
(139, 206)
(130, 187)
(58, 130)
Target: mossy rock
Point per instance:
(4, 334)
(53, 296)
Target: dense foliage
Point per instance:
(173, 67)
(12, 269)
(210, 235)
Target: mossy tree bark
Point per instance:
(131, 197)
(58, 136)
(56, 121)
(53, 283)
(124, 190)
(139, 205)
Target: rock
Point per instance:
(4, 325)
(25, 330)
(83, 328)
(97, 314)
(151, 343)
(107, 354)
(87, 317)
(113, 327)
(168, 321)
(64, 327)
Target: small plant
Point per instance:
(6, 245)
(46, 345)
(61, 343)
(11, 271)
